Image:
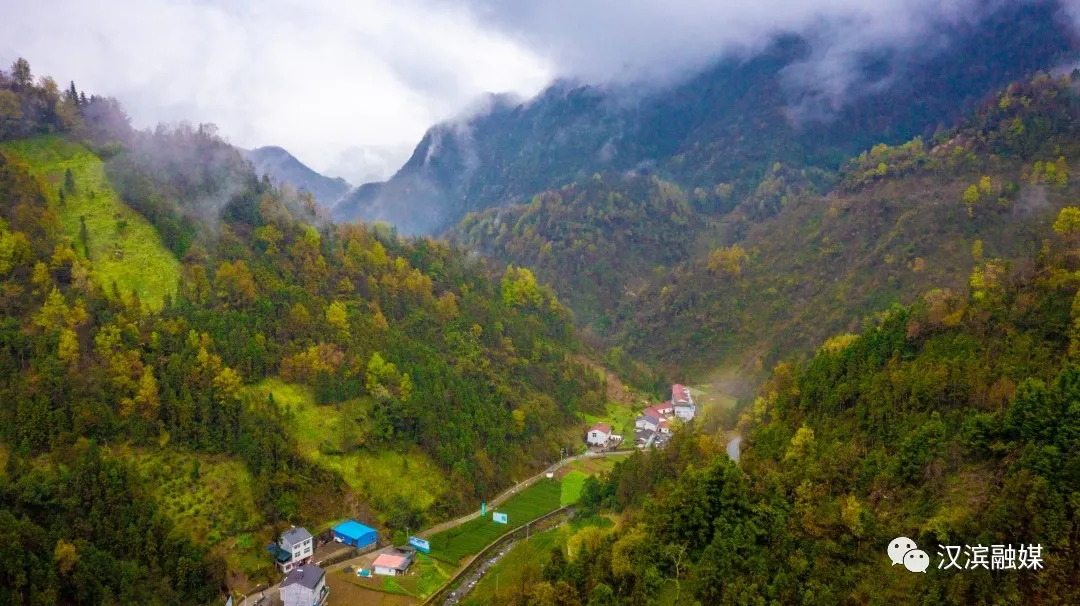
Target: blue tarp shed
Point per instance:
(356, 534)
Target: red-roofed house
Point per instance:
(684, 402)
(663, 426)
(392, 564)
(665, 409)
(599, 434)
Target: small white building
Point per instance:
(665, 409)
(598, 434)
(392, 564)
(294, 548)
(305, 586)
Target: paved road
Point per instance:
(272, 592)
(734, 448)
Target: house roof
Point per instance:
(652, 411)
(604, 427)
(295, 534)
(644, 434)
(390, 560)
(663, 423)
(663, 406)
(353, 529)
(649, 418)
(679, 393)
(307, 575)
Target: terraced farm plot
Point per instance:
(121, 244)
(474, 535)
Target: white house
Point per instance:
(305, 586)
(599, 434)
(686, 412)
(392, 564)
(683, 402)
(663, 426)
(646, 421)
(294, 548)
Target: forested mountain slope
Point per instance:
(597, 241)
(902, 220)
(728, 124)
(409, 346)
(951, 422)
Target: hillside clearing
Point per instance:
(123, 247)
(328, 435)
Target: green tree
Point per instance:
(1067, 224)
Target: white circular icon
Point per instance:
(898, 547)
(916, 560)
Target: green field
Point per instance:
(124, 248)
(324, 434)
(619, 416)
(474, 535)
(525, 558)
(572, 483)
(592, 466)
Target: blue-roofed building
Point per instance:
(356, 534)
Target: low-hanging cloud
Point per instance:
(351, 86)
(634, 40)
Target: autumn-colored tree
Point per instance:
(234, 284)
(146, 397)
(337, 316)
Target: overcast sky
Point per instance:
(350, 86)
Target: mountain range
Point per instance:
(725, 125)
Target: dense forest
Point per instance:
(807, 252)
(114, 338)
(951, 421)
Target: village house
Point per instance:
(683, 403)
(647, 422)
(305, 586)
(294, 548)
(644, 438)
(598, 434)
(392, 563)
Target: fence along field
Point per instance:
(472, 536)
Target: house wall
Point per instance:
(297, 595)
(385, 571)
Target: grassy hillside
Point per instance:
(332, 437)
(209, 498)
(122, 246)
